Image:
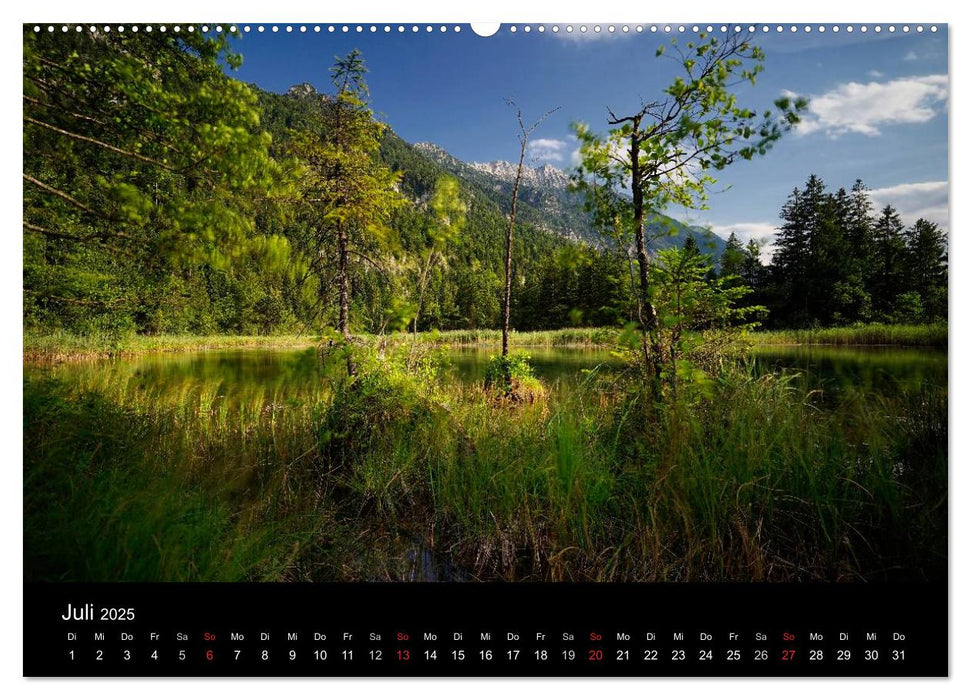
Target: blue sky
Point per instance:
(878, 107)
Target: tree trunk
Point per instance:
(647, 314)
(343, 285)
(507, 299)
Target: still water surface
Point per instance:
(233, 374)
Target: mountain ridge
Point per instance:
(553, 207)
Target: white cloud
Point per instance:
(746, 231)
(874, 73)
(915, 200)
(863, 108)
(546, 149)
(910, 56)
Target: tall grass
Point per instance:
(748, 478)
(60, 346)
(563, 337)
(126, 484)
(870, 334)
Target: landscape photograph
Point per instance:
(612, 303)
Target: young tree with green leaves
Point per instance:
(447, 212)
(347, 193)
(143, 161)
(699, 316)
(664, 153)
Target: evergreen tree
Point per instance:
(753, 269)
(348, 195)
(732, 263)
(797, 246)
(690, 247)
(927, 267)
(888, 280)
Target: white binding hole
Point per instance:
(485, 29)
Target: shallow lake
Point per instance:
(287, 373)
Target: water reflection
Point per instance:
(240, 374)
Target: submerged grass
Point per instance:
(749, 479)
